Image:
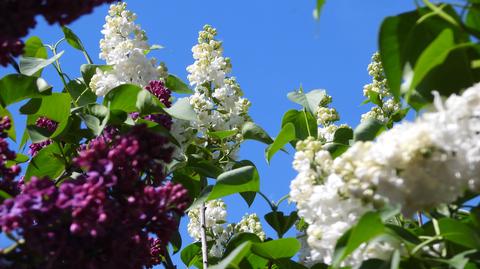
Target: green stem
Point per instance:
(168, 262)
(63, 154)
(272, 205)
(425, 243)
(58, 68)
(14, 64)
(285, 197)
(306, 121)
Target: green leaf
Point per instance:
(176, 241)
(191, 254)
(286, 135)
(318, 9)
(435, 54)
(403, 234)
(249, 197)
(205, 168)
(405, 37)
(368, 130)
(368, 227)
(88, 70)
(147, 103)
(253, 131)
(459, 233)
(15, 88)
(343, 135)
(277, 249)
(72, 39)
(182, 110)
(336, 149)
(240, 238)
(123, 97)
(288, 264)
(80, 93)
(21, 158)
(304, 122)
(281, 223)
(189, 182)
(29, 65)
(34, 48)
(243, 179)
(222, 134)
(37, 134)
(97, 118)
(375, 264)
(47, 163)
(31, 107)
(473, 17)
(56, 107)
(460, 260)
(394, 33)
(175, 84)
(310, 100)
(234, 258)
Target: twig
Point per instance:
(168, 262)
(204, 236)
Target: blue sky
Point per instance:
(275, 46)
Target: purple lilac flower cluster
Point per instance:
(104, 218)
(45, 123)
(159, 90)
(7, 173)
(18, 16)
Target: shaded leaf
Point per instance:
(243, 179)
(234, 258)
(368, 227)
(47, 163)
(15, 88)
(459, 233)
(253, 131)
(281, 223)
(368, 130)
(182, 110)
(191, 254)
(175, 84)
(123, 97)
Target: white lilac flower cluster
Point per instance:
(217, 229)
(124, 48)
(438, 154)
(326, 118)
(218, 99)
(324, 204)
(417, 165)
(378, 90)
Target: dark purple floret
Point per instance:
(7, 172)
(36, 147)
(158, 89)
(46, 123)
(162, 119)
